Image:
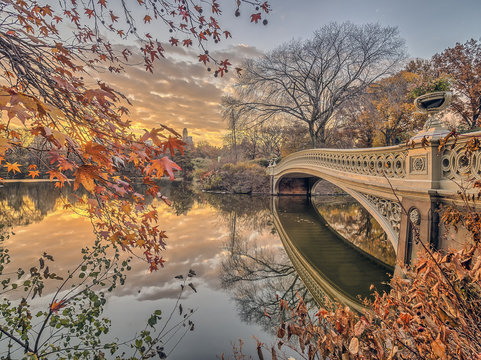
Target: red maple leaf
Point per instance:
(225, 63)
(255, 17)
(204, 58)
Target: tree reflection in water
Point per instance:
(61, 314)
(354, 223)
(256, 272)
(182, 197)
(254, 269)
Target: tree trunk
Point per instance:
(312, 134)
(321, 138)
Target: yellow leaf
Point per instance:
(59, 137)
(84, 176)
(4, 145)
(126, 208)
(15, 167)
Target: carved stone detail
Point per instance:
(415, 216)
(456, 163)
(418, 165)
(390, 210)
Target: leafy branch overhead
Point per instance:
(79, 130)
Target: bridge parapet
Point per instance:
(421, 168)
(389, 161)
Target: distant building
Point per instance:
(187, 139)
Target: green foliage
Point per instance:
(201, 163)
(185, 161)
(431, 85)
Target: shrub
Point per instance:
(240, 178)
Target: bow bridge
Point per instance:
(400, 186)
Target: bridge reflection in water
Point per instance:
(327, 263)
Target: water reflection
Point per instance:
(327, 263)
(256, 270)
(197, 233)
(22, 203)
(231, 242)
(354, 223)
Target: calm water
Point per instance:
(230, 241)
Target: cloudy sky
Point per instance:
(182, 94)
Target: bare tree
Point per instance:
(232, 113)
(263, 141)
(308, 81)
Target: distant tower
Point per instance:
(186, 138)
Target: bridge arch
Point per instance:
(387, 180)
(374, 211)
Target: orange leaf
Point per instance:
(173, 143)
(439, 348)
(161, 165)
(33, 174)
(15, 167)
(354, 346)
(56, 306)
(85, 176)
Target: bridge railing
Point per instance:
(382, 161)
(460, 163)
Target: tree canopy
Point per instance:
(463, 64)
(386, 114)
(308, 81)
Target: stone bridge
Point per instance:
(401, 186)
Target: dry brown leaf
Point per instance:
(354, 346)
(439, 349)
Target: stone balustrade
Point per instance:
(390, 161)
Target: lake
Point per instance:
(233, 245)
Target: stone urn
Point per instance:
(432, 104)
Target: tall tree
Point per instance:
(308, 81)
(463, 64)
(392, 110)
(385, 115)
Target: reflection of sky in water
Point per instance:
(196, 241)
(201, 240)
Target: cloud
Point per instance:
(180, 93)
(196, 241)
